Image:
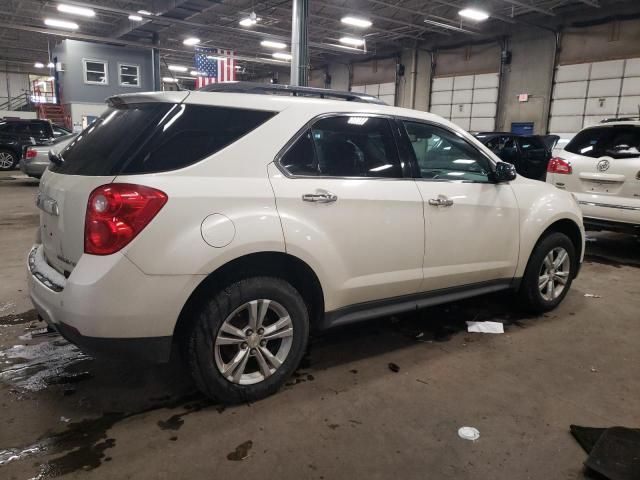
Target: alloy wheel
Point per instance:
(6, 160)
(253, 342)
(554, 273)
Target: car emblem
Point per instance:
(603, 165)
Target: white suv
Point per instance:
(601, 166)
(231, 224)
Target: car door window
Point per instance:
(60, 132)
(345, 146)
(443, 155)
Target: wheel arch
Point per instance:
(275, 264)
(570, 229)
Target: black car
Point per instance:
(530, 154)
(15, 135)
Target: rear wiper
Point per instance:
(55, 158)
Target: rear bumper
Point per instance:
(143, 350)
(609, 225)
(609, 209)
(33, 169)
(108, 307)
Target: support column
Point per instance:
(299, 43)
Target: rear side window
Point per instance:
(345, 146)
(155, 137)
(617, 141)
(528, 144)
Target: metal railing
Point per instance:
(21, 102)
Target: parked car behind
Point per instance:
(528, 153)
(16, 134)
(230, 224)
(601, 167)
(35, 158)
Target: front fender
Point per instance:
(541, 205)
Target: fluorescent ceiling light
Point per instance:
(473, 14)
(51, 79)
(195, 73)
(52, 22)
(73, 10)
(135, 18)
(356, 42)
(51, 65)
(356, 22)
(191, 41)
(213, 57)
(38, 65)
(272, 44)
(282, 56)
(169, 80)
(239, 67)
(248, 22)
(178, 68)
(144, 12)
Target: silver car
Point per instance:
(35, 159)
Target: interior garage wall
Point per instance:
(530, 72)
(417, 63)
(607, 41)
(374, 71)
(467, 60)
(12, 85)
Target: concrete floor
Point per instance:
(346, 414)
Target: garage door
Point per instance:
(586, 93)
(384, 91)
(470, 101)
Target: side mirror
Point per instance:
(504, 172)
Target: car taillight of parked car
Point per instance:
(30, 153)
(116, 213)
(559, 165)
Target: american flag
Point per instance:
(214, 66)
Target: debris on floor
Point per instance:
(591, 295)
(469, 433)
(394, 367)
(613, 452)
(485, 327)
(241, 452)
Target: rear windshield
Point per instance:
(155, 137)
(617, 141)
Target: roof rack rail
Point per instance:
(620, 119)
(280, 89)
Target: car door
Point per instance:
(350, 209)
(471, 223)
(534, 156)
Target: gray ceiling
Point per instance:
(396, 24)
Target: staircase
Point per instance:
(55, 113)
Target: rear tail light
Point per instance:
(559, 165)
(116, 213)
(30, 153)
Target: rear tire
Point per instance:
(247, 340)
(549, 273)
(8, 159)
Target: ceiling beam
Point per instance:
(533, 8)
(440, 23)
(125, 43)
(215, 27)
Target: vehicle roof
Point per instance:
(274, 103)
(635, 123)
(23, 120)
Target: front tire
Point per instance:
(247, 339)
(549, 273)
(8, 159)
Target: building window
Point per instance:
(96, 72)
(129, 75)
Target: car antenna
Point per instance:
(180, 87)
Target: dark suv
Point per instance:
(16, 134)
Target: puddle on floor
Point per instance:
(33, 367)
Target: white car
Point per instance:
(231, 224)
(601, 167)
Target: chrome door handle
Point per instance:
(320, 197)
(441, 201)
